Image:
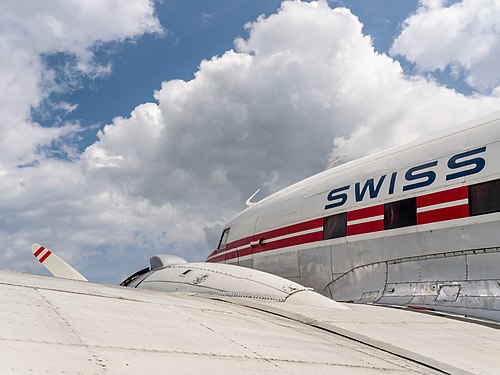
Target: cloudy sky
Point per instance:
(135, 128)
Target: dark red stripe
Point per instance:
(216, 259)
(232, 245)
(286, 242)
(238, 243)
(443, 197)
(364, 213)
(45, 256)
(371, 226)
(39, 251)
(300, 227)
(229, 246)
(443, 214)
(295, 228)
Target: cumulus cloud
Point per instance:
(36, 190)
(29, 31)
(305, 87)
(464, 36)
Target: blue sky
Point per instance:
(136, 128)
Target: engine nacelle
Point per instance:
(224, 280)
(164, 260)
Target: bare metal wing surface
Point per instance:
(58, 326)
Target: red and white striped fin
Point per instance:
(55, 265)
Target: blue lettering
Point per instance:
(334, 196)
(369, 185)
(416, 177)
(454, 163)
(392, 184)
(410, 175)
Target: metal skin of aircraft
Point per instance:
(211, 318)
(333, 232)
(416, 225)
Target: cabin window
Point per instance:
(484, 198)
(335, 226)
(400, 214)
(223, 239)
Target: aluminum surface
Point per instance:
(59, 326)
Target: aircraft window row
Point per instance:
(400, 214)
(396, 215)
(484, 198)
(335, 226)
(223, 239)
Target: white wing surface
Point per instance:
(59, 326)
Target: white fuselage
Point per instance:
(413, 225)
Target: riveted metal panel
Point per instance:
(438, 269)
(483, 266)
(315, 267)
(246, 263)
(364, 283)
(285, 265)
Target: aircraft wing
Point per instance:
(57, 326)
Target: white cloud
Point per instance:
(74, 26)
(31, 30)
(45, 197)
(270, 113)
(306, 86)
(464, 36)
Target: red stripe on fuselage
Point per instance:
(233, 245)
(216, 259)
(291, 229)
(431, 216)
(368, 227)
(292, 241)
(443, 214)
(279, 244)
(300, 227)
(270, 235)
(364, 213)
(443, 197)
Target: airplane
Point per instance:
(410, 214)
(415, 225)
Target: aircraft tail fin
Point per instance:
(55, 265)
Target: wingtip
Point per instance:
(35, 247)
(55, 265)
